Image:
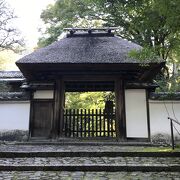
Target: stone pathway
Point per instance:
(91, 161)
(66, 148)
(78, 175)
(64, 162)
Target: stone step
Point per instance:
(110, 164)
(75, 142)
(69, 148)
(79, 175)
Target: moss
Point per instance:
(161, 149)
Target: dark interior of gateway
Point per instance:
(92, 86)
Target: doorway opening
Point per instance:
(89, 110)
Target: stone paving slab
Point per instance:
(58, 161)
(91, 164)
(79, 175)
(14, 150)
(67, 148)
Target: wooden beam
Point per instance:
(120, 110)
(93, 29)
(87, 77)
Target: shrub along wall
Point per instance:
(14, 120)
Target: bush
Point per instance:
(161, 139)
(14, 135)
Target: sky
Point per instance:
(28, 21)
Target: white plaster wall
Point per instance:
(14, 115)
(44, 94)
(136, 113)
(158, 115)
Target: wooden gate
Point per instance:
(89, 123)
(41, 118)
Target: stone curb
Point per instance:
(76, 143)
(95, 168)
(88, 154)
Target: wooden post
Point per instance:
(148, 115)
(120, 110)
(172, 134)
(30, 116)
(58, 122)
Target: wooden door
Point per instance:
(42, 116)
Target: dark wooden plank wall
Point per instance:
(42, 116)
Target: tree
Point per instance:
(150, 23)
(9, 36)
(87, 100)
(67, 13)
(154, 24)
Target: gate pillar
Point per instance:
(57, 126)
(120, 110)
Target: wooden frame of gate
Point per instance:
(58, 126)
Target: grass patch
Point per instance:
(161, 149)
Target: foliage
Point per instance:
(14, 135)
(160, 149)
(149, 23)
(161, 139)
(153, 24)
(145, 55)
(171, 84)
(9, 36)
(87, 100)
(66, 13)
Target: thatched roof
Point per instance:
(86, 54)
(84, 48)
